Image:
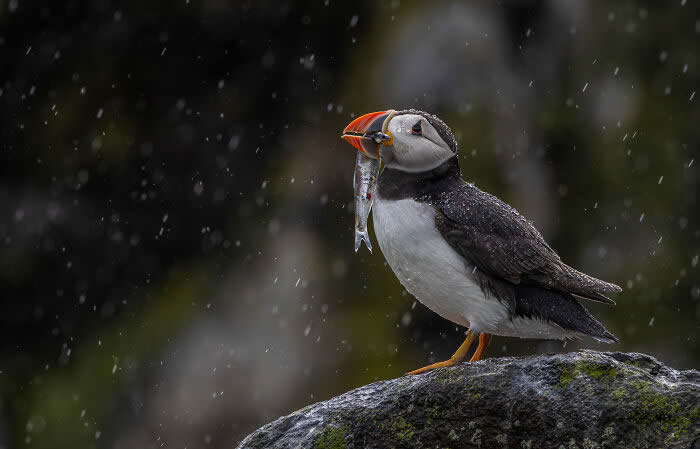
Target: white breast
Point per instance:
(429, 268)
(432, 271)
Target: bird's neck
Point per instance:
(395, 184)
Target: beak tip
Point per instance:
(355, 141)
(362, 125)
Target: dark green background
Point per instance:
(176, 263)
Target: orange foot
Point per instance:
(461, 353)
(446, 363)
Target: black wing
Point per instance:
(499, 241)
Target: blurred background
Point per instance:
(176, 263)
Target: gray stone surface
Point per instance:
(580, 400)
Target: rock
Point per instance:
(582, 400)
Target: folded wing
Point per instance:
(496, 239)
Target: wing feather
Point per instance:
(496, 239)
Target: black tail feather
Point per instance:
(561, 309)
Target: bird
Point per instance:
(462, 252)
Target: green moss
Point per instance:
(591, 369)
(435, 412)
(403, 430)
(608, 437)
(661, 411)
(599, 372)
(332, 438)
(473, 389)
(449, 375)
(608, 432)
(567, 375)
(639, 365)
(619, 393)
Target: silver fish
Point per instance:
(365, 184)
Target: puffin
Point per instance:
(465, 254)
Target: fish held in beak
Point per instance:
(365, 184)
(367, 133)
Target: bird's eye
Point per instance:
(417, 130)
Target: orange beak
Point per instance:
(365, 133)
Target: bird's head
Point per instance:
(410, 140)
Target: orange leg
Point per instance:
(484, 340)
(457, 357)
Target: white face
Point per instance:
(416, 146)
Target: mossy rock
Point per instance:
(583, 399)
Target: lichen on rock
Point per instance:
(583, 399)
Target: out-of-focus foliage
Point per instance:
(176, 262)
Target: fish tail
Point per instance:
(361, 236)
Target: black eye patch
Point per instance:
(417, 130)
